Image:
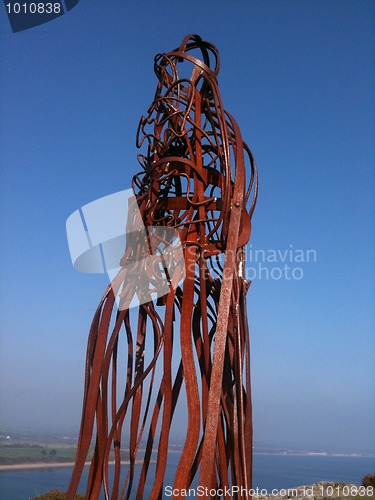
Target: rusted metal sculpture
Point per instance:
(194, 181)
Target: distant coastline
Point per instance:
(43, 465)
(36, 465)
(313, 454)
(31, 454)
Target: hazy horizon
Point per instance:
(9, 435)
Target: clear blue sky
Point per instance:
(298, 76)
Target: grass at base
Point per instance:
(57, 495)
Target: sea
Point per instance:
(269, 472)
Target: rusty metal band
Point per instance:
(199, 178)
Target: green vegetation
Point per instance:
(24, 453)
(369, 480)
(57, 495)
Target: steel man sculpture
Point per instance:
(194, 181)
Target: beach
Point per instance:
(42, 465)
(37, 465)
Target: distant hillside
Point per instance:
(24, 453)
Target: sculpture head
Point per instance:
(192, 144)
